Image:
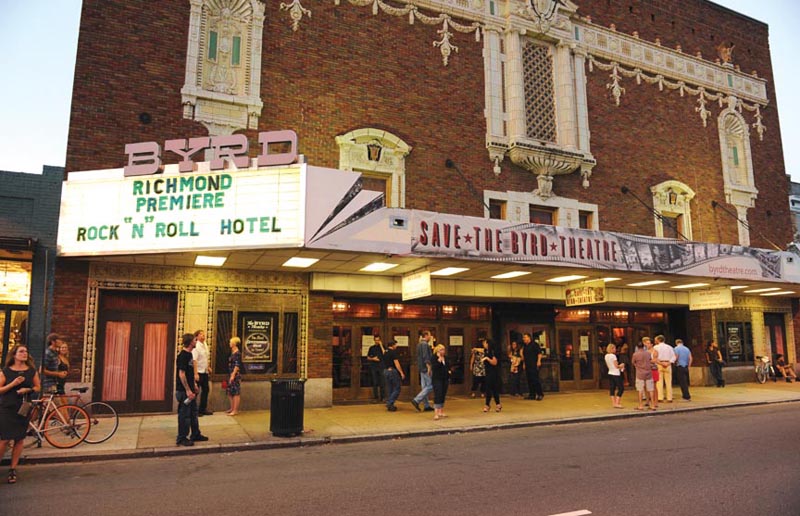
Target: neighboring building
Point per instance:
(794, 208)
(29, 206)
(539, 140)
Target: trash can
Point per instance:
(286, 407)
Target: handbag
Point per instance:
(25, 409)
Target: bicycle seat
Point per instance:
(82, 390)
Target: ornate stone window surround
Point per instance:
(518, 208)
(355, 153)
(737, 165)
(672, 199)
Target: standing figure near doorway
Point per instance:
(491, 362)
(478, 369)
(424, 359)
(624, 358)
(644, 374)
(375, 359)
(202, 368)
(441, 380)
(234, 376)
(50, 372)
(683, 361)
(715, 363)
(186, 395)
(393, 372)
(515, 373)
(665, 357)
(63, 367)
(617, 386)
(532, 357)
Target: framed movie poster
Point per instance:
(259, 334)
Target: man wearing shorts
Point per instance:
(644, 375)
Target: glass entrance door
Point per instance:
(577, 358)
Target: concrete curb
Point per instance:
(300, 442)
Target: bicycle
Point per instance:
(63, 426)
(103, 417)
(764, 370)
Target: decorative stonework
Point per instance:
(223, 65)
(672, 199)
(377, 152)
(567, 211)
(737, 166)
(540, 105)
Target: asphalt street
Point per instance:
(741, 461)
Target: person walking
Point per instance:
(375, 359)
(424, 359)
(617, 385)
(202, 368)
(532, 358)
(491, 363)
(515, 370)
(715, 362)
(683, 361)
(665, 359)
(393, 373)
(641, 361)
(478, 368)
(186, 394)
(441, 380)
(234, 376)
(18, 380)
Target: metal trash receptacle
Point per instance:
(286, 407)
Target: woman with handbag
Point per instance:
(234, 376)
(18, 380)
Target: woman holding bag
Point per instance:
(17, 381)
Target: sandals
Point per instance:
(499, 408)
(12, 476)
(486, 408)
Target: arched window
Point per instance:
(380, 156)
(672, 201)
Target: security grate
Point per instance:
(540, 109)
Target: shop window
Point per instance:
(573, 315)
(406, 311)
(542, 215)
(649, 317)
(736, 342)
(497, 209)
(479, 313)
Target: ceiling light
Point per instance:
(648, 283)
(449, 271)
(378, 267)
(737, 287)
(760, 290)
(609, 280)
(691, 285)
(512, 274)
(210, 261)
(564, 279)
(781, 293)
(300, 262)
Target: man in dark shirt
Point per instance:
(50, 372)
(375, 359)
(532, 358)
(186, 394)
(424, 361)
(393, 373)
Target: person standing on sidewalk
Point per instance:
(478, 369)
(515, 371)
(186, 394)
(424, 359)
(492, 364)
(617, 385)
(234, 376)
(683, 360)
(644, 374)
(532, 357)
(666, 357)
(441, 380)
(201, 371)
(393, 373)
(18, 381)
(50, 372)
(715, 362)
(375, 359)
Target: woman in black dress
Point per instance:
(492, 376)
(440, 379)
(63, 366)
(18, 380)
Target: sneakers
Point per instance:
(200, 438)
(184, 442)
(416, 405)
(427, 409)
(391, 408)
(205, 413)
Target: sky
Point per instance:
(39, 40)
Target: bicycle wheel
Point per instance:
(66, 426)
(761, 374)
(105, 421)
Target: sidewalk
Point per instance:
(152, 436)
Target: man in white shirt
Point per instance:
(666, 357)
(201, 371)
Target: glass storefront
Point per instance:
(15, 287)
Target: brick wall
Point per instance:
(320, 322)
(69, 309)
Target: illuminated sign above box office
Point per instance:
(104, 212)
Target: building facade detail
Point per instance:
(223, 65)
(672, 200)
(566, 212)
(377, 153)
(737, 165)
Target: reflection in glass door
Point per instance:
(577, 358)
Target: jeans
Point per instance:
(534, 385)
(683, 380)
(392, 385)
(716, 373)
(378, 383)
(514, 383)
(187, 417)
(427, 386)
(203, 393)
